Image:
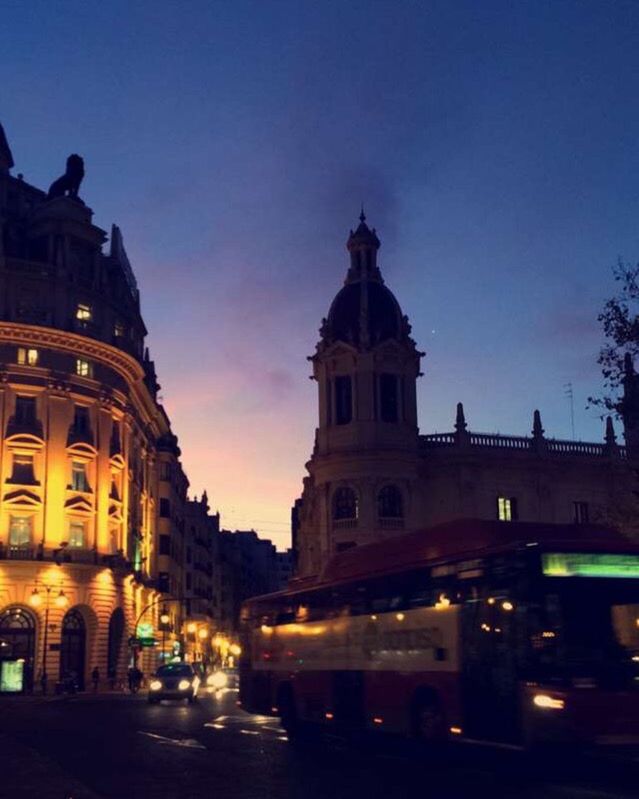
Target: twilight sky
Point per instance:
(495, 148)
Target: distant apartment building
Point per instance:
(285, 567)
(248, 566)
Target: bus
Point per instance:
(509, 633)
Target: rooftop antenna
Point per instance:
(568, 392)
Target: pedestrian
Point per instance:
(95, 677)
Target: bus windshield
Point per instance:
(586, 631)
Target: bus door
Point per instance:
(489, 676)
(348, 697)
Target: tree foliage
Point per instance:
(620, 322)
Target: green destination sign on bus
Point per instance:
(589, 564)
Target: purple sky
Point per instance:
(494, 145)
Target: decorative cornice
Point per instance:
(122, 363)
(74, 344)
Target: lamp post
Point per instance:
(35, 600)
(164, 621)
(152, 604)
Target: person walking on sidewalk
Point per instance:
(95, 678)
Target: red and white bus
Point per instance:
(505, 632)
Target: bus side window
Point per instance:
(421, 598)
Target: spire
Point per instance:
(460, 420)
(538, 430)
(611, 447)
(462, 436)
(6, 158)
(363, 245)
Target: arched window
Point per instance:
(17, 640)
(73, 647)
(344, 504)
(389, 503)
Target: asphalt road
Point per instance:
(118, 746)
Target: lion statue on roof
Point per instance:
(68, 184)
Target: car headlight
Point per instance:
(183, 685)
(155, 685)
(217, 680)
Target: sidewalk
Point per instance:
(31, 775)
(38, 699)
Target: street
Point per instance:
(116, 746)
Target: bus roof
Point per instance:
(467, 538)
(462, 538)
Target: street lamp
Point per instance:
(35, 600)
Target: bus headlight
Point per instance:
(155, 685)
(183, 685)
(548, 702)
(217, 680)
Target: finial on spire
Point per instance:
(538, 430)
(611, 438)
(362, 216)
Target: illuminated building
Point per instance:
(201, 613)
(90, 477)
(372, 475)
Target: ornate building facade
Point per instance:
(92, 493)
(372, 474)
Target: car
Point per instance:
(174, 681)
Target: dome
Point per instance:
(384, 317)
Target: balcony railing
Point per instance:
(344, 524)
(521, 443)
(391, 523)
(62, 555)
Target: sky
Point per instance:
(494, 146)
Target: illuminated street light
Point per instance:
(35, 600)
(191, 627)
(164, 616)
(203, 633)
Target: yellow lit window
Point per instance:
(27, 357)
(79, 479)
(76, 533)
(84, 313)
(83, 368)
(506, 509)
(20, 530)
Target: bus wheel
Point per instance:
(288, 711)
(427, 719)
(296, 731)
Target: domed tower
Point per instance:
(364, 465)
